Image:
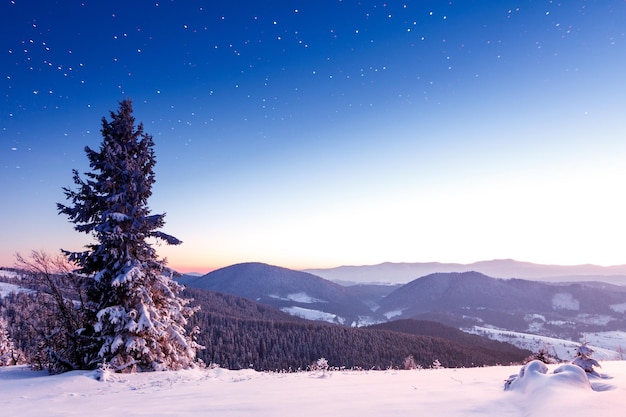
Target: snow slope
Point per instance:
(6, 289)
(606, 345)
(219, 392)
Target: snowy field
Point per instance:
(219, 392)
(6, 289)
(606, 345)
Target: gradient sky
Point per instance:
(325, 133)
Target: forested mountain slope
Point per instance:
(297, 292)
(466, 299)
(435, 329)
(238, 333)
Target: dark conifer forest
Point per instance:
(238, 333)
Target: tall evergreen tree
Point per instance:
(136, 315)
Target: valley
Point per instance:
(265, 317)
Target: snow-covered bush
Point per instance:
(322, 364)
(103, 373)
(410, 363)
(320, 367)
(543, 355)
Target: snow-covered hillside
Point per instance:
(606, 345)
(219, 392)
(6, 289)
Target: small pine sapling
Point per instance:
(584, 360)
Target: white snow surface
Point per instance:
(7, 274)
(224, 393)
(391, 314)
(310, 314)
(6, 289)
(614, 340)
(565, 301)
(606, 345)
(618, 308)
(300, 297)
(596, 319)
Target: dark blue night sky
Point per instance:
(320, 133)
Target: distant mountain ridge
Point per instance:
(395, 273)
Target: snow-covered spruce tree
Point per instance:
(584, 360)
(136, 316)
(9, 354)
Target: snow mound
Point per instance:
(535, 377)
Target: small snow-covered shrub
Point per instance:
(544, 356)
(320, 367)
(410, 363)
(322, 364)
(103, 373)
